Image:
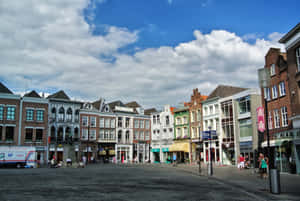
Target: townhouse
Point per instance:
(162, 127)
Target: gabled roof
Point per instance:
(32, 94)
(149, 111)
(290, 34)
(4, 89)
(224, 91)
(132, 104)
(112, 105)
(59, 95)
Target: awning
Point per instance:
(155, 150)
(274, 143)
(183, 146)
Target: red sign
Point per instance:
(260, 119)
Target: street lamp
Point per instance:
(87, 145)
(199, 150)
(210, 165)
(274, 178)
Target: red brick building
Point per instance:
(34, 125)
(9, 117)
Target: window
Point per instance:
(85, 121)
(298, 58)
(9, 135)
(206, 111)
(198, 115)
(274, 92)
(272, 70)
(93, 121)
(142, 123)
(216, 108)
(106, 134)
(167, 120)
(276, 119)
(211, 109)
(127, 137)
(178, 121)
(53, 113)
(77, 115)
(120, 122)
(101, 122)
(1, 112)
(136, 135)
(192, 116)
(185, 132)
(154, 119)
(136, 123)
(147, 124)
(69, 114)
(92, 134)
(267, 94)
(107, 121)
(284, 117)
(10, 113)
(282, 89)
(112, 135)
(112, 123)
(40, 115)
(127, 122)
(171, 129)
(29, 114)
(61, 114)
(101, 134)
(270, 120)
(244, 105)
(157, 117)
(28, 134)
(245, 128)
(142, 137)
(84, 134)
(39, 135)
(185, 120)
(147, 136)
(178, 132)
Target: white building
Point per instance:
(162, 125)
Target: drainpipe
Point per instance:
(20, 121)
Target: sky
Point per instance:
(153, 52)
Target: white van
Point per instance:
(18, 156)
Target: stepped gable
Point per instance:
(4, 89)
(224, 91)
(59, 95)
(32, 94)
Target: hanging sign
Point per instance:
(260, 119)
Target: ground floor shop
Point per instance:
(88, 152)
(62, 152)
(124, 153)
(141, 152)
(211, 149)
(161, 155)
(180, 150)
(106, 153)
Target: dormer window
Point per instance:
(272, 70)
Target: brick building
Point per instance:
(9, 117)
(196, 124)
(34, 125)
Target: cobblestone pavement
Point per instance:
(118, 183)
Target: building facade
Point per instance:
(162, 127)
(181, 143)
(64, 127)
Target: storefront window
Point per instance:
(245, 128)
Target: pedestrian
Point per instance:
(84, 160)
(174, 159)
(69, 162)
(241, 163)
(263, 165)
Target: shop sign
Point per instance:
(102, 153)
(260, 119)
(112, 152)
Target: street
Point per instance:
(117, 183)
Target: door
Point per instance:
(60, 156)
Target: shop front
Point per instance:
(106, 152)
(166, 155)
(246, 149)
(181, 150)
(124, 153)
(155, 155)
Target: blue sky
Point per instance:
(154, 52)
(163, 22)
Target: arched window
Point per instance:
(68, 134)
(69, 114)
(120, 136)
(127, 136)
(77, 115)
(61, 114)
(76, 134)
(53, 113)
(52, 132)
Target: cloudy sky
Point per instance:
(154, 52)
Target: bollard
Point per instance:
(275, 181)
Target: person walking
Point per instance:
(264, 166)
(241, 164)
(174, 159)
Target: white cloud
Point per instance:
(49, 45)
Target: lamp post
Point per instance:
(274, 177)
(210, 167)
(87, 146)
(199, 150)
